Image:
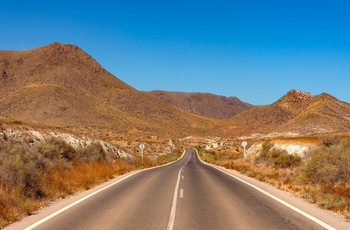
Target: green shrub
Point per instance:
(93, 152)
(264, 156)
(16, 122)
(286, 160)
(328, 164)
(265, 148)
(199, 149)
(20, 167)
(279, 158)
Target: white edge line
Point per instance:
(323, 224)
(92, 194)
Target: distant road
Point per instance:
(187, 194)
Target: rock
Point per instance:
(31, 136)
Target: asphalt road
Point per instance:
(187, 194)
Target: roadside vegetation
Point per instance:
(322, 176)
(33, 175)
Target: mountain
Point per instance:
(61, 85)
(297, 111)
(204, 104)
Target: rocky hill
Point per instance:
(204, 104)
(61, 85)
(296, 112)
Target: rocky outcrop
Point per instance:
(294, 149)
(32, 136)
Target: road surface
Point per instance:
(186, 194)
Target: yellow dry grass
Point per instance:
(58, 183)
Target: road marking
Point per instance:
(94, 193)
(310, 217)
(173, 207)
(181, 193)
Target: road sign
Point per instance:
(244, 144)
(142, 147)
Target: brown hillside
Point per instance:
(204, 104)
(324, 113)
(61, 85)
(296, 111)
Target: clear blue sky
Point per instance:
(255, 50)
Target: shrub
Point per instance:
(20, 167)
(328, 164)
(279, 158)
(199, 149)
(93, 152)
(166, 158)
(55, 148)
(285, 160)
(329, 140)
(17, 122)
(265, 148)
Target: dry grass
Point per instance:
(81, 177)
(57, 183)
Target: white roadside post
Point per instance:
(142, 147)
(244, 144)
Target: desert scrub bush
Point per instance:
(326, 170)
(329, 140)
(264, 155)
(20, 168)
(330, 163)
(279, 158)
(55, 148)
(16, 122)
(199, 149)
(93, 152)
(166, 158)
